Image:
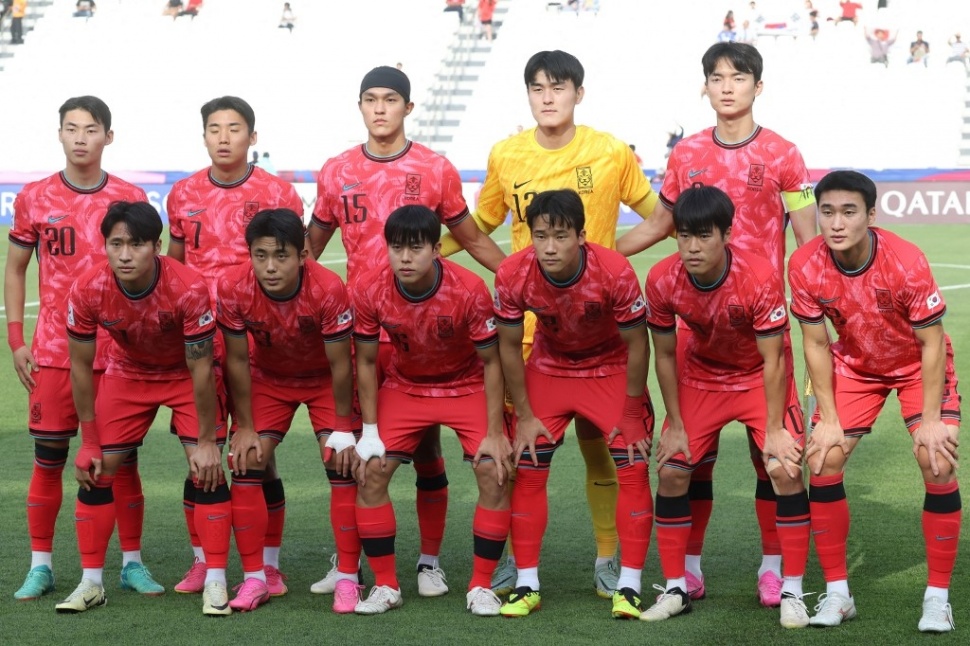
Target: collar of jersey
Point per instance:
(241, 180)
(148, 290)
(873, 241)
(741, 144)
(86, 189)
(572, 281)
(411, 298)
(383, 160)
(723, 277)
(288, 297)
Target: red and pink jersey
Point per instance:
(210, 218)
(63, 224)
(435, 336)
(754, 174)
(874, 310)
(357, 191)
(726, 318)
(150, 330)
(578, 322)
(288, 334)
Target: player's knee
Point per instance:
(673, 482)
(784, 484)
(374, 488)
(490, 493)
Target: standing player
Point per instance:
(603, 170)
(445, 370)
(732, 368)
(766, 179)
(57, 218)
(208, 213)
(159, 317)
(357, 191)
(590, 358)
(880, 296)
(299, 318)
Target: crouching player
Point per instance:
(445, 370)
(731, 368)
(885, 306)
(590, 358)
(158, 313)
(298, 316)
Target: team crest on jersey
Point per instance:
(166, 321)
(884, 299)
(446, 327)
(736, 315)
(250, 209)
(307, 324)
(934, 300)
(412, 184)
(584, 179)
(756, 175)
(593, 310)
(35, 413)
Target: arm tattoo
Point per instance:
(194, 351)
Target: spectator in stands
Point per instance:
(255, 161)
(752, 15)
(813, 18)
(850, 12)
(84, 8)
(191, 9)
(729, 21)
(456, 5)
(288, 19)
(172, 8)
(486, 8)
(17, 12)
(673, 137)
(266, 164)
(879, 45)
(959, 51)
(919, 50)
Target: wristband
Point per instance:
(632, 406)
(89, 433)
(15, 335)
(369, 430)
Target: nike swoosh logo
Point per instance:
(639, 513)
(110, 323)
(135, 505)
(603, 484)
(816, 532)
(242, 529)
(347, 529)
(81, 520)
(945, 538)
(347, 187)
(217, 516)
(37, 504)
(520, 515)
(90, 601)
(694, 173)
(55, 218)
(194, 213)
(521, 184)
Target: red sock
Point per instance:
(673, 529)
(634, 514)
(188, 507)
(530, 514)
(941, 531)
(431, 503)
(378, 528)
(276, 506)
(766, 509)
(213, 521)
(249, 518)
(794, 525)
(94, 522)
(830, 524)
(701, 494)
(44, 496)
(490, 528)
(129, 504)
(343, 520)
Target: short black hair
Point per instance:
(284, 225)
(562, 207)
(701, 209)
(558, 65)
(848, 180)
(94, 106)
(743, 57)
(143, 222)
(229, 103)
(412, 224)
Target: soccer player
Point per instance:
(57, 218)
(732, 368)
(159, 317)
(877, 291)
(557, 154)
(357, 191)
(766, 179)
(208, 213)
(299, 319)
(445, 370)
(590, 358)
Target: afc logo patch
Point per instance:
(593, 310)
(736, 315)
(166, 321)
(250, 210)
(584, 178)
(35, 413)
(307, 324)
(884, 299)
(412, 184)
(756, 175)
(446, 327)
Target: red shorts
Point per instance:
(556, 401)
(403, 419)
(125, 409)
(859, 402)
(706, 412)
(52, 413)
(274, 407)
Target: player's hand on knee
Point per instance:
(206, 465)
(673, 440)
(243, 441)
(782, 450)
(370, 446)
(825, 437)
(340, 447)
(527, 432)
(937, 438)
(499, 449)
